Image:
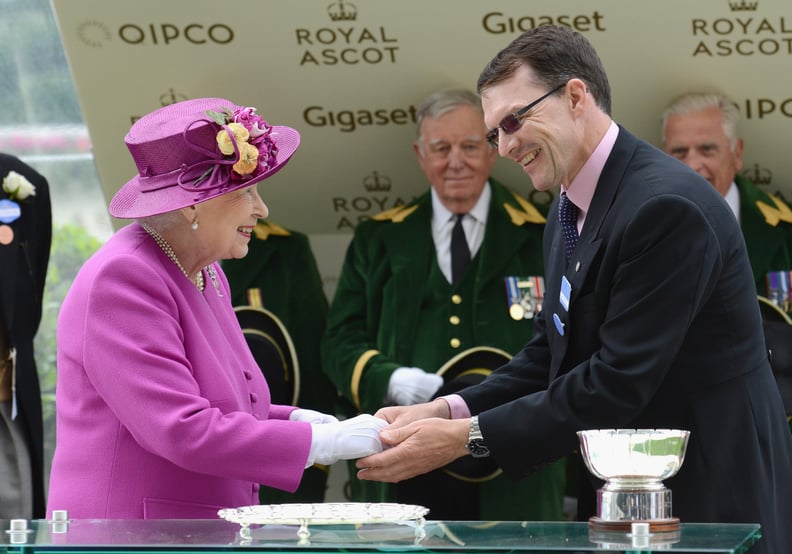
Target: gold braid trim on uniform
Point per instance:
(529, 213)
(357, 373)
(772, 216)
(323, 468)
(4, 364)
(264, 229)
(254, 298)
(397, 214)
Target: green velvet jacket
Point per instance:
(377, 310)
(281, 265)
(767, 227)
(375, 313)
(766, 223)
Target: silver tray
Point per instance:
(324, 513)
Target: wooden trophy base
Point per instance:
(625, 526)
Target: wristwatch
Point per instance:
(475, 444)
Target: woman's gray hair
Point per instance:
(699, 101)
(162, 222)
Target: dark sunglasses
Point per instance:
(512, 122)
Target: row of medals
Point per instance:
(527, 302)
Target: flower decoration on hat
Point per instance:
(242, 150)
(18, 187)
(246, 136)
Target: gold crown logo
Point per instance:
(758, 175)
(342, 11)
(376, 182)
(171, 97)
(743, 6)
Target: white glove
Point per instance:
(345, 440)
(412, 385)
(311, 416)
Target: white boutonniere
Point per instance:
(18, 187)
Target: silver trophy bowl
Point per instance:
(633, 463)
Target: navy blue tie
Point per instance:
(460, 251)
(568, 214)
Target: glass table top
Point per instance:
(464, 536)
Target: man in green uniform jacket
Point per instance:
(280, 274)
(766, 223)
(398, 314)
(700, 129)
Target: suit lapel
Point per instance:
(604, 196)
(9, 260)
(587, 248)
(607, 186)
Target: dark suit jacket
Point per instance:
(663, 331)
(23, 270)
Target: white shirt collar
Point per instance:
(443, 224)
(733, 199)
(442, 215)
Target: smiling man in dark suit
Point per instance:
(650, 317)
(25, 236)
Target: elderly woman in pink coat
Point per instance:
(162, 411)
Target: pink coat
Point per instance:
(162, 411)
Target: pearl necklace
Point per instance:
(168, 250)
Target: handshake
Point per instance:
(334, 440)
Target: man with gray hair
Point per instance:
(454, 275)
(700, 129)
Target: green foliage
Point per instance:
(71, 247)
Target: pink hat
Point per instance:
(196, 150)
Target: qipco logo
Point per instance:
(168, 33)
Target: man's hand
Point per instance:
(399, 416)
(416, 448)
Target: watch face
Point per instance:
(478, 449)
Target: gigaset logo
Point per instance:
(345, 45)
(499, 23)
(348, 121)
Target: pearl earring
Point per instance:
(195, 224)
